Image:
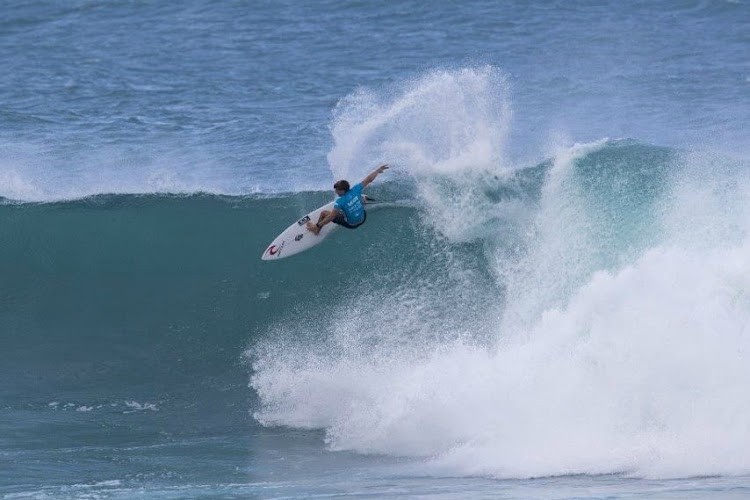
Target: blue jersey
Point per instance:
(351, 205)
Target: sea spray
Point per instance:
(446, 130)
(27, 174)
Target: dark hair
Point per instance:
(342, 185)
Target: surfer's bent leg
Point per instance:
(323, 215)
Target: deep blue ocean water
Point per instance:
(553, 301)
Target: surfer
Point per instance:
(349, 207)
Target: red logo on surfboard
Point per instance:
(272, 250)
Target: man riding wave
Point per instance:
(349, 208)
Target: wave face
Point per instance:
(587, 315)
(595, 322)
(584, 314)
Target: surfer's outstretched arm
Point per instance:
(371, 176)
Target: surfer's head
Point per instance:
(341, 187)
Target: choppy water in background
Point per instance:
(139, 96)
(553, 303)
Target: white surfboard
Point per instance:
(297, 238)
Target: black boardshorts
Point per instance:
(341, 221)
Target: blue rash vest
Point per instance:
(350, 204)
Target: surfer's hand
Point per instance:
(313, 228)
(382, 168)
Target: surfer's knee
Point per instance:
(323, 215)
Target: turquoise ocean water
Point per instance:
(553, 301)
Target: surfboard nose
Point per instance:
(271, 252)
